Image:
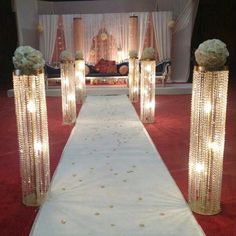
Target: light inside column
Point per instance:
(32, 125)
(133, 79)
(207, 135)
(147, 96)
(80, 81)
(68, 92)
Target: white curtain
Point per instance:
(182, 41)
(48, 36)
(68, 32)
(162, 33)
(117, 25)
(142, 28)
(92, 24)
(184, 13)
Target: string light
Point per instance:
(80, 81)
(32, 124)
(147, 97)
(207, 140)
(133, 79)
(68, 92)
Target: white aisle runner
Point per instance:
(111, 180)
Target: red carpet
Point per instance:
(170, 134)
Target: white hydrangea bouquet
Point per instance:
(212, 54)
(133, 54)
(66, 56)
(148, 54)
(28, 60)
(79, 55)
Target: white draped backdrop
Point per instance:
(172, 44)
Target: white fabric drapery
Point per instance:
(48, 36)
(162, 33)
(68, 32)
(117, 25)
(92, 25)
(142, 28)
(184, 13)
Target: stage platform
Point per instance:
(173, 88)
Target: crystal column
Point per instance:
(32, 125)
(80, 81)
(133, 79)
(207, 136)
(68, 92)
(147, 96)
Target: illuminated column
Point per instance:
(147, 96)
(68, 92)
(133, 79)
(80, 81)
(207, 136)
(32, 125)
(78, 34)
(133, 33)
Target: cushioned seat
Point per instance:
(51, 73)
(105, 68)
(163, 70)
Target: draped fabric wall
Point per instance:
(142, 29)
(47, 39)
(68, 32)
(184, 13)
(182, 41)
(92, 25)
(162, 33)
(117, 25)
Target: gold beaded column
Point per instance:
(147, 96)
(68, 92)
(133, 33)
(80, 81)
(208, 115)
(32, 125)
(133, 79)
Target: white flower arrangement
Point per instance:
(133, 54)
(28, 60)
(212, 54)
(103, 36)
(66, 56)
(79, 55)
(148, 54)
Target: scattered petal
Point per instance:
(63, 222)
